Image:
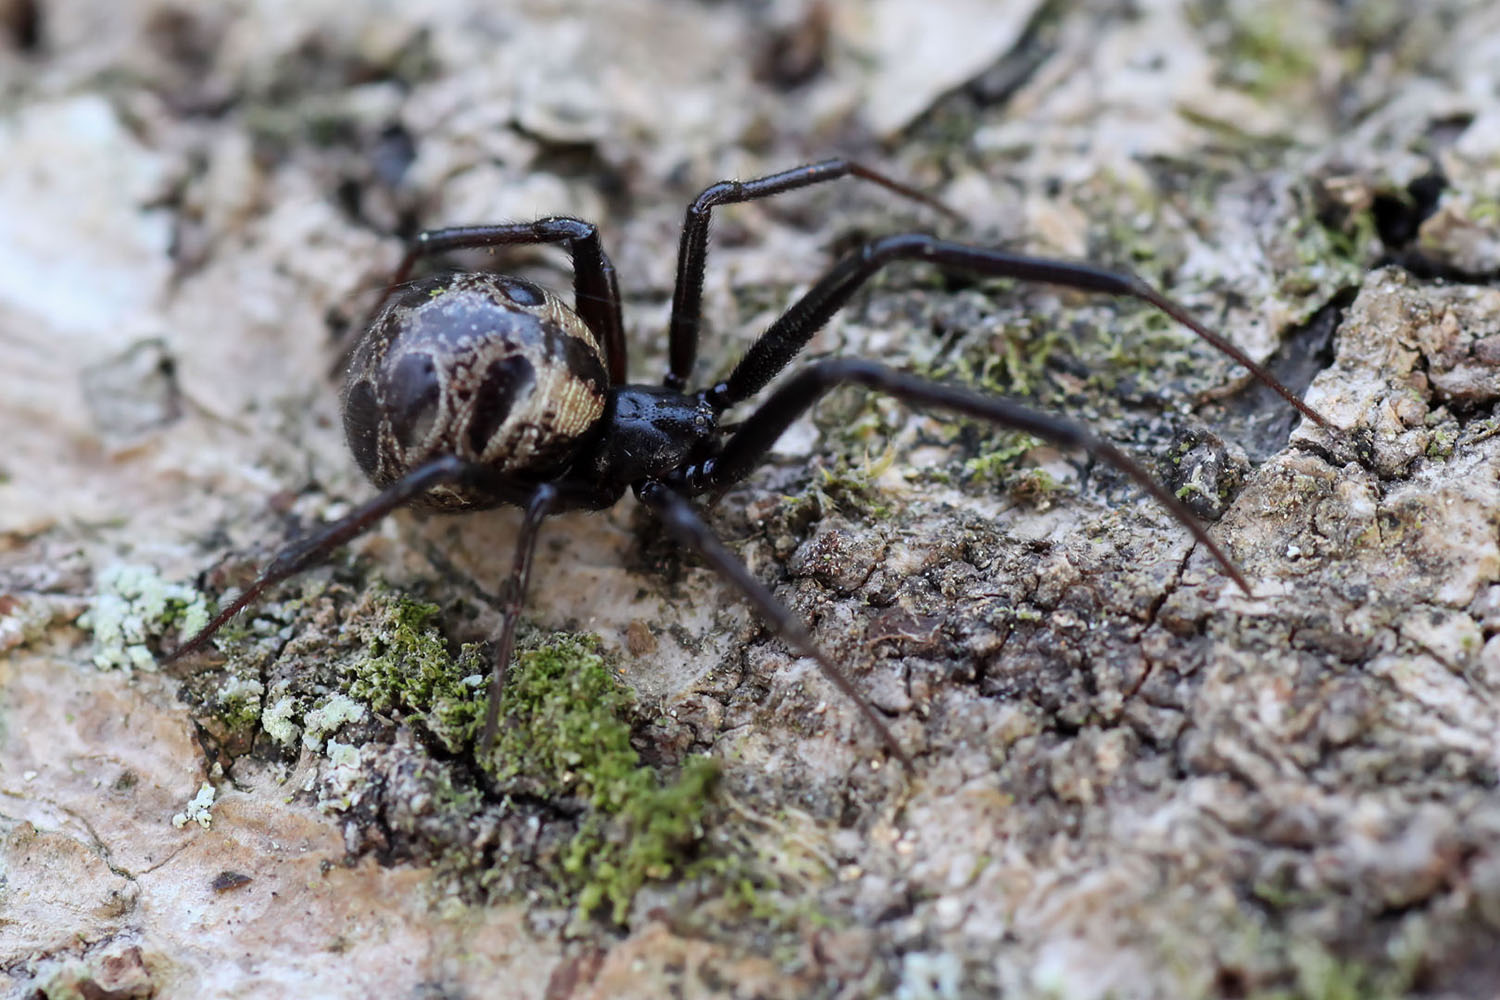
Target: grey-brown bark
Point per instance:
(1132, 780)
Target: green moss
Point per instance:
(855, 489)
(851, 489)
(785, 911)
(1320, 975)
(239, 702)
(1010, 361)
(1334, 243)
(1354, 241)
(407, 666)
(997, 464)
(566, 740)
(1482, 211)
(771, 872)
(1033, 486)
(567, 736)
(1440, 446)
(1267, 47)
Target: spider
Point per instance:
(475, 390)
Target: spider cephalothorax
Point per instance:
(473, 390)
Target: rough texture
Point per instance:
(1131, 779)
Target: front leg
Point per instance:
(306, 552)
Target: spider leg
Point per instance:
(687, 296)
(596, 290)
(305, 552)
(758, 432)
(789, 334)
(542, 503)
(690, 530)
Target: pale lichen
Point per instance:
(327, 718)
(343, 781)
(278, 718)
(199, 810)
(134, 605)
(929, 976)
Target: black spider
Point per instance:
(473, 390)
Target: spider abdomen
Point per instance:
(491, 369)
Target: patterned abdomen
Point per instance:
(490, 368)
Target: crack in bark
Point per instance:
(1153, 612)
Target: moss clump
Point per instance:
(1267, 49)
(1034, 487)
(407, 666)
(1440, 447)
(1333, 237)
(1005, 358)
(1319, 975)
(998, 462)
(845, 487)
(239, 702)
(566, 736)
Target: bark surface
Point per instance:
(1131, 780)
